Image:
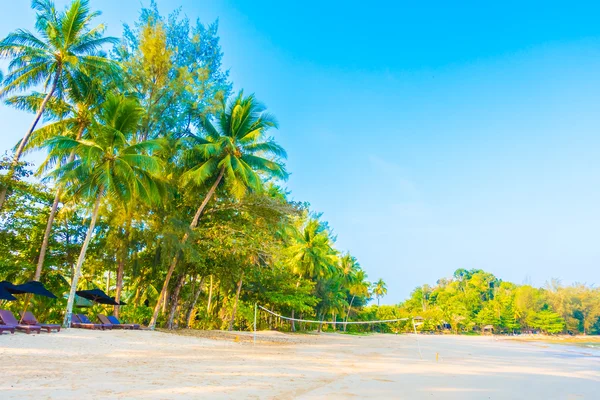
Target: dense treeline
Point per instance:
(160, 185)
(165, 188)
(474, 299)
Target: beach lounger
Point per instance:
(76, 323)
(27, 318)
(84, 319)
(115, 321)
(103, 319)
(9, 319)
(9, 328)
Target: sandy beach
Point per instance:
(157, 365)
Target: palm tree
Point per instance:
(379, 289)
(312, 254)
(108, 165)
(234, 150)
(358, 287)
(66, 45)
(74, 114)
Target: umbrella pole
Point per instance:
(26, 305)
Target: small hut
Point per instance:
(488, 330)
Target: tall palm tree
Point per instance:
(108, 165)
(312, 254)
(354, 280)
(66, 45)
(379, 289)
(235, 150)
(73, 115)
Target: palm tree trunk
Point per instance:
(53, 209)
(293, 322)
(210, 292)
(237, 297)
(77, 271)
(188, 315)
(175, 260)
(120, 269)
(175, 301)
(25, 139)
(121, 264)
(348, 313)
(334, 321)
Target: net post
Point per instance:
(417, 337)
(255, 311)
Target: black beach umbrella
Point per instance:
(5, 294)
(10, 288)
(31, 287)
(97, 296)
(35, 287)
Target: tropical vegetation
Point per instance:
(166, 188)
(161, 185)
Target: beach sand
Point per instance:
(157, 365)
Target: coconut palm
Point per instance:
(349, 267)
(311, 253)
(73, 115)
(108, 165)
(355, 280)
(379, 289)
(66, 45)
(234, 150)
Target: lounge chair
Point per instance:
(102, 318)
(9, 319)
(9, 328)
(84, 319)
(115, 321)
(27, 318)
(76, 323)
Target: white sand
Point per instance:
(137, 364)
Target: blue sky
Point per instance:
(431, 137)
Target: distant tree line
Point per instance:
(473, 299)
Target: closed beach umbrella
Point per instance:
(98, 296)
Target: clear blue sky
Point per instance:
(432, 137)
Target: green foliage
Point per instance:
(548, 321)
(472, 299)
(184, 181)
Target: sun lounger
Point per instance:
(115, 321)
(27, 318)
(9, 319)
(9, 328)
(84, 319)
(76, 323)
(102, 318)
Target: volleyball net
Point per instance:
(332, 322)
